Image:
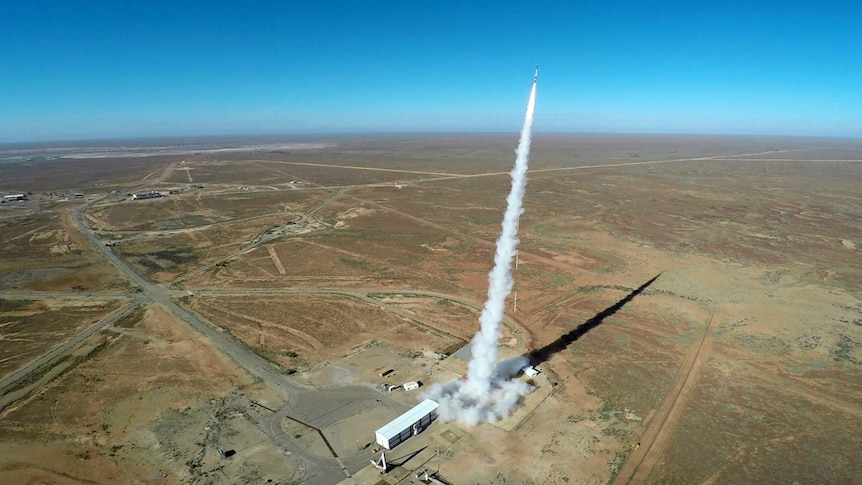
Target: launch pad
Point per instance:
(397, 279)
(455, 367)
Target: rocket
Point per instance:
(536, 76)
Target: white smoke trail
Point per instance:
(488, 393)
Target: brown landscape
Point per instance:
(694, 305)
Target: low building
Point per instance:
(411, 386)
(531, 371)
(408, 424)
(12, 197)
(153, 194)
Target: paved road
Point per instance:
(330, 406)
(10, 380)
(156, 293)
(308, 406)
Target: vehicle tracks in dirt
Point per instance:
(666, 418)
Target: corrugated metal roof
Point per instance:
(399, 424)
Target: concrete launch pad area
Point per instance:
(255, 306)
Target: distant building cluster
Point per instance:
(153, 194)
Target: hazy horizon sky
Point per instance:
(89, 70)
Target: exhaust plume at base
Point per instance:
(488, 393)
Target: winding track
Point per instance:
(324, 470)
(332, 469)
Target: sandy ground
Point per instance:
(152, 406)
(738, 364)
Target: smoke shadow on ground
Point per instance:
(541, 355)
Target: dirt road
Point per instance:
(9, 382)
(654, 440)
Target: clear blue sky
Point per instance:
(90, 69)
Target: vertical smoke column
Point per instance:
(489, 394)
(485, 342)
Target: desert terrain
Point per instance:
(694, 304)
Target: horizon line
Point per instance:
(108, 139)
